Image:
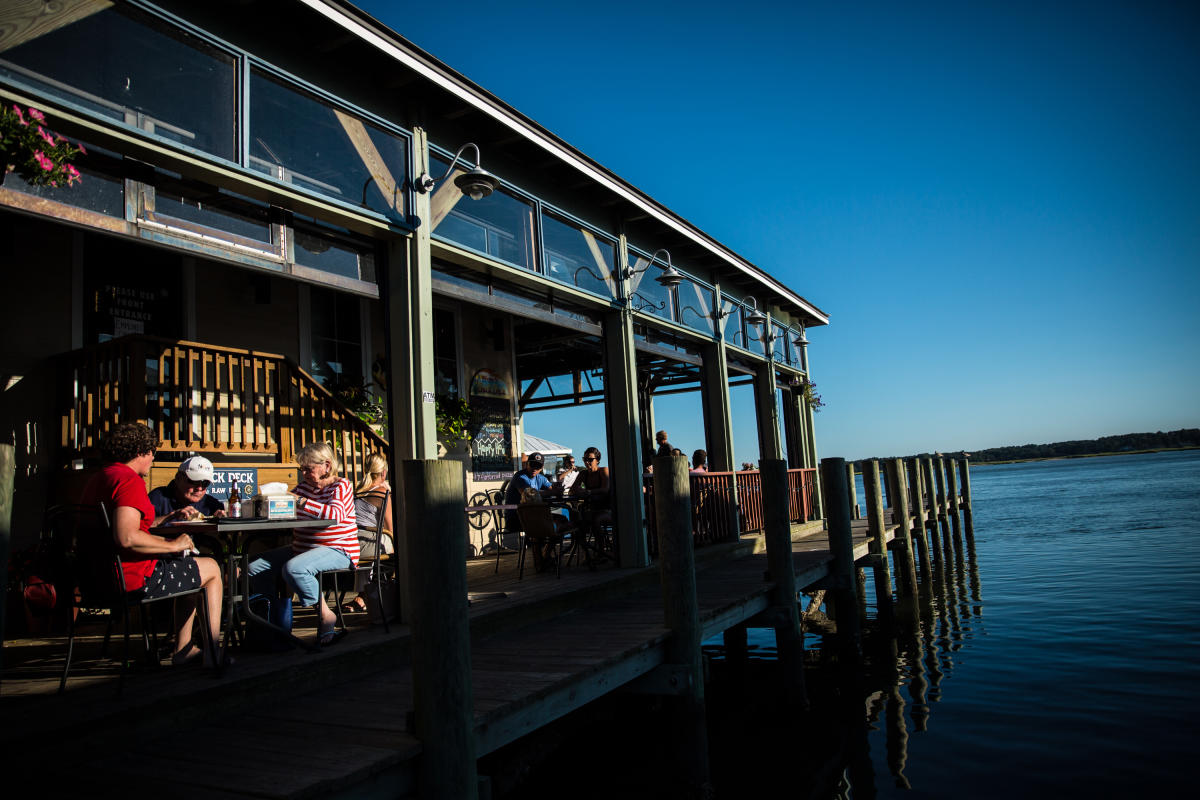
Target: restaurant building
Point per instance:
(285, 228)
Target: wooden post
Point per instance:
(841, 546)
(778, 534)
(8, 471)
(952, 489)
(939, 474)
(435, 532)
(681, 611)
(906, 567)
(935, 541)
(964, 471)
(852, 486)
(876, 526)
(918, 484)
(718, 420)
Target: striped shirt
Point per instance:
(336, 502)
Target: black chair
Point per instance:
(99, 582)
(372, 566)
(542, 529)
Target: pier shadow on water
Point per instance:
(617, 746)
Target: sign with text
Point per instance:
(247, 480)
(491, 439)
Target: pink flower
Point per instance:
(82, 149)
(35, 114)
(47, 138)
(74, 173)
(43, 162)
(20, 116)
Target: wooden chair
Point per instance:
(372, 566)
(100, 581)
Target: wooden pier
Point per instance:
(537, 649)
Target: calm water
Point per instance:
(1062, 659)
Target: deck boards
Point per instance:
(535, 658)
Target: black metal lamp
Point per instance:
(670, 276)
(476, 183)
(755, 317)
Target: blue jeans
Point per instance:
(299, 571)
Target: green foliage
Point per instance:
(1125, 443)
(812, 397)
(40, 156)
(453, 420)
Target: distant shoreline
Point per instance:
(1084, 455)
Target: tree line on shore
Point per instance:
(1124, 443)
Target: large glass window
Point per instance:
(206, 210)
(782, 343)
(499, 225)
(646, 294)
(327, 253)
(123, 64)
(578, 256)
(695, 306)
(101, 189)
(336, 339)
(734, 331)
(306, 142)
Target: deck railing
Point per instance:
(713, 504)
(207, 399)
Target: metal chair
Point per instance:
(100, 583)
(542, 529)
(373, 566)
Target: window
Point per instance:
(578, 256)
(336, 338)
(445, 354)
(695, 306)
(101, 190)
(646, 294)
(207, 211)
(125, 65)
(321, 250)
(499, 225)
(306, 142)
(782, 345)
(733, 331)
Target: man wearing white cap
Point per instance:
(186, 496)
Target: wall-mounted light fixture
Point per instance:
(801, 340)
(755, 317)
(670, 276)
(476, 183)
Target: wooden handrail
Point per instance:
(206, 398)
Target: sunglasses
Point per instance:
(199, 484)
(590, 460)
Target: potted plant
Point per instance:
(40, 156)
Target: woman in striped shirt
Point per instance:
(321, 494)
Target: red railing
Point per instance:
(801, 491)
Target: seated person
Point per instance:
(528, 477)
(593, 485)
(699, 461)
(568, 474)
(186, 497)
(155, 565)
(370, 490)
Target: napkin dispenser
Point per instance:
(277, 501)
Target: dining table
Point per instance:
(233, 536)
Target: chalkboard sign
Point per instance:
(223, 478)
(491, 439)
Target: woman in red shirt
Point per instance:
(321, 494)
(156, 565)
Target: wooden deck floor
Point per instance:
(541, 648)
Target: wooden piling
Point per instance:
(436, 539)
(789, 639)
(952, 490)
(681, 612)
(852, 486)
(841, 547)
(875, 524)
(964, 472)
(931, 522)
(939, 475)
(8, 471)
(906, 567)
(919, 503)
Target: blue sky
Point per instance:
(998, 203)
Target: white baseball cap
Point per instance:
(197, 468)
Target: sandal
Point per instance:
(196, 656)
(330, 638)
(355, 606)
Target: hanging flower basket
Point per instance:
(40, 156)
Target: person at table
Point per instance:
(321, 494)
(151, 564)
(529, 476)
(594, 486)
(568, 474)
(370, 490)
(699, 462)
(186, 497)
